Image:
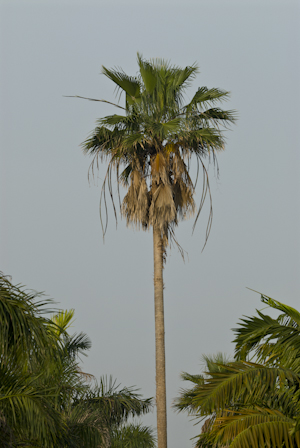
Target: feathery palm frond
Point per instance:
(24, 332)
(250, 404)
(272, 341)
(116, 405)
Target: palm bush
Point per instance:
(45, 399)
(27, 342)
(252, 404)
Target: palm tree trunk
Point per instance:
(161, 408)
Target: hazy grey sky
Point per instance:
(50, 231)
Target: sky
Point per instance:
(51, 237)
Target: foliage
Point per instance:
(27, 342)
(133, 436)
(45, 399)
(150, 146)
(252, 404)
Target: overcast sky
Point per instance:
(50, 230)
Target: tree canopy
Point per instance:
(46, 400)
(150, 145)
(253, 401)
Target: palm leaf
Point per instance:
(127, 83)
(288, 310)
(148, 74)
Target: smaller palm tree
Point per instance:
(133, 436)
(46, 401)
(97, 416)
(252, 404)
(27, 340)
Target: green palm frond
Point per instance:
(85, 426)
(256, 426)
(62, 321)
(77, 344)
(289, 312)
(172, 127)
(252, 331)
(116, 404)
(240, 380)
(271, 340)
(249, 404)
(188, 399)
(205, 97)
(25, 404)
(127, 83)
(148, 74)
(275, 434)
(25, 333)
(216, 116)
(216, 363)
(184, 77)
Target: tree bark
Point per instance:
(160, 362)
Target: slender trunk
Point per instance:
(161, 407)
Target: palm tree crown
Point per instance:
(153, 141)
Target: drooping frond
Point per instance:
(116, 404)
(24, 403)
(24, 332)
(254, 429)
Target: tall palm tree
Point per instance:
(150, 147)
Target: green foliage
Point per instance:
(45, 398)
(151, 145)
(133, 436)
(27, 343)
(249, 404)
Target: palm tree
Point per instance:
(92, 414)
(26, 410)
(252, 404)
(150, 147)
(189, 398)
(45, 398)
(113, 406)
